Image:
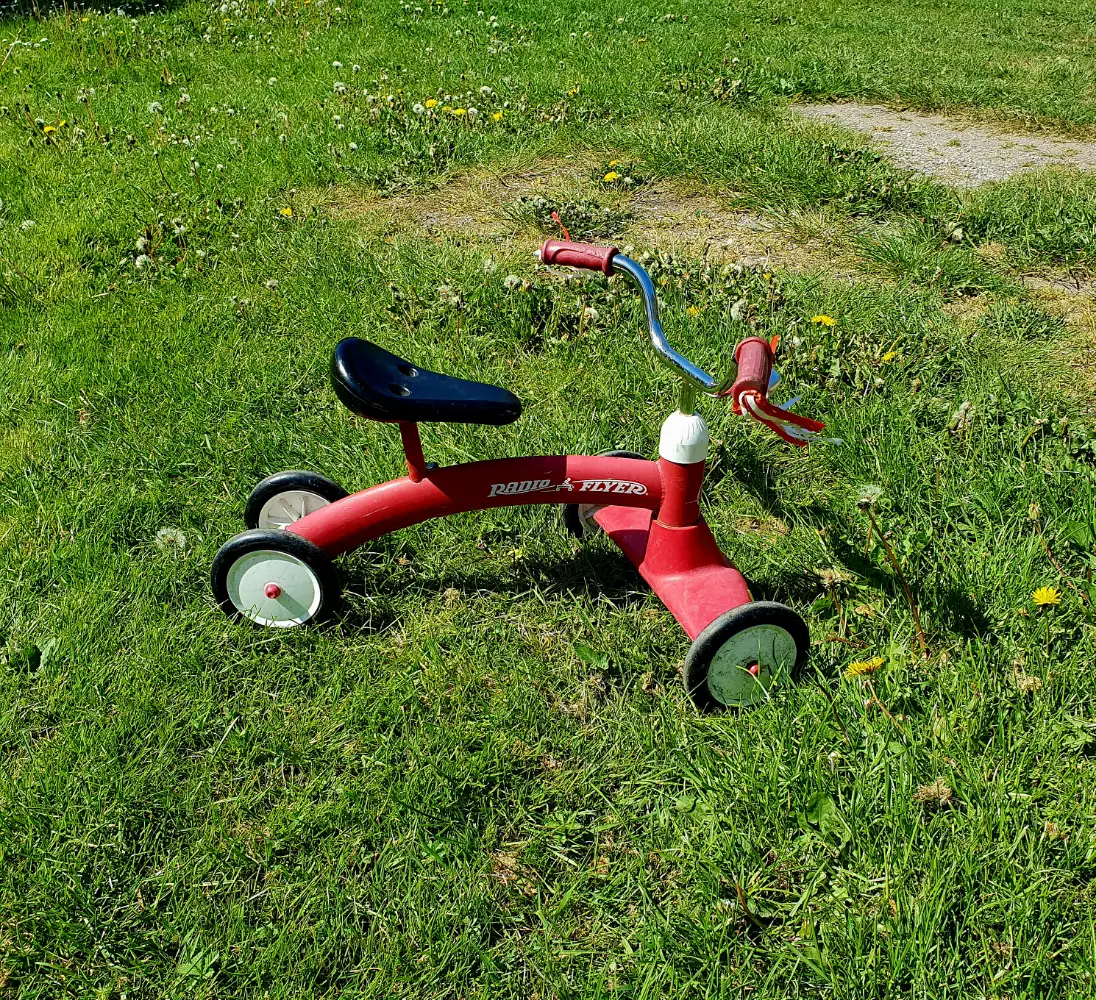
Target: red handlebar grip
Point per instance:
(754, 357)
(578, 255)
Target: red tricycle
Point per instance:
(279, 573)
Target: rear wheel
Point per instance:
(578, 518)
(736, 660)
(281, 499)
(273, 578)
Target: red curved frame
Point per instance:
(651, 511)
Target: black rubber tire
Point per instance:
(280, 482)
(569, 511)
(708, 643)
(258, 539)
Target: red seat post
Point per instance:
(412, 449)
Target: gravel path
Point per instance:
(954, 152)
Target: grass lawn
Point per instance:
(484, 778)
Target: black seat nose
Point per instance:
(376, 384)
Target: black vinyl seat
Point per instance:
(374, 383)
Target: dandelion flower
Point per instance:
(286, 212)
(692, 311)
(889, 356)
(419, 109)
(862, 667)
(497, 116)
(1045, 596)
(511, 281)
(431, 104)
(48, 130)
(472, 114)
(611, 177)
(614, 163)
(823, 320)
(459, 112)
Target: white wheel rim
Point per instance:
(283, 509)
(769, 647)
(274, 588)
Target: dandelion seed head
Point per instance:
(171, 540)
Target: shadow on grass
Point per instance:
(596, 573)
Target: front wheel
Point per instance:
(736, 660)
(273, 578)
(578, 518)
(285, 497)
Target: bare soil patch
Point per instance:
(958, 153)
(664, 215)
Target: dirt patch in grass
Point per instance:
(1073, 299)
(475, 203)
(958, 153)
(679, 216)
(676, 216)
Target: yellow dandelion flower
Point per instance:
(497, 116)
(1044, 596)
(287, 212)
(862, 667)
(431, 103)
(572, 92)
(889, 356)
(459, 112)
(47, 129)
(692, 311)
(611, 177)
(823, 320)
(614, 163)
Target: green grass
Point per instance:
(483, 779)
